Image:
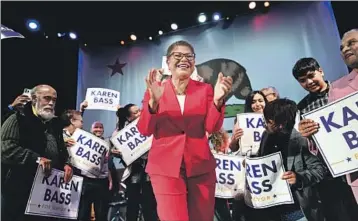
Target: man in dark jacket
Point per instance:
(28, 139)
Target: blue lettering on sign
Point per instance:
(351, 139)
(347, 115)
(104, 97)
(257, 187)
(257, 136)
(102, 100)
(124, 138)
(227, 165)
(87, 143)
(58, 196)
(258, 171)
(259, 124)
(104, 94)
(225, 178)
(55, 196)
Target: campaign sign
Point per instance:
(337, 137)
(264, 186)
(9, 33)
(230, 176)
(89, 152)
(52, 197)
(102, 99)
(253, 125)
(131, 143)
(297, 120)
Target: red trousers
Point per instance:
(185, 199)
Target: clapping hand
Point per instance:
(222, 88)
(155, 88)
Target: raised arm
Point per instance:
(147, 120)
(215, 115)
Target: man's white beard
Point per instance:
(45, 115)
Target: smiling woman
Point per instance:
(179, 113)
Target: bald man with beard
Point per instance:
(28, 139)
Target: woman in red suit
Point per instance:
(178, 114)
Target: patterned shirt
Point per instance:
(313, 101)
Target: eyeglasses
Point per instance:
(179, 56)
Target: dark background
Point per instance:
(37, 60)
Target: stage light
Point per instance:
(267, 4)
(202, 18)
(252, 5)
(72, 35)
(133, 37)
(174, 26)
(160, 32)
(150, 38)
(33, 25)
(60, 34)
(122, 42)
(216, 16)
(85, 44)
(46, 36)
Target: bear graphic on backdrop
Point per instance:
(241, 87)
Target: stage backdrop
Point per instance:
(257, 51)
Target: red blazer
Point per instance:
(177, 136)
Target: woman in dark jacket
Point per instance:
(139, 189)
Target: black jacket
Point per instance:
(24, 138)
(308, 168)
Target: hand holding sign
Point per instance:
(116, 152)
(68, 173)
(69, 142)
(237, 133)
(222, 88)
(308, 127)
(46, 166)
(290, 177)
(83, 105)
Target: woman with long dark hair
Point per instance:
(139, 189)
(255, 102)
